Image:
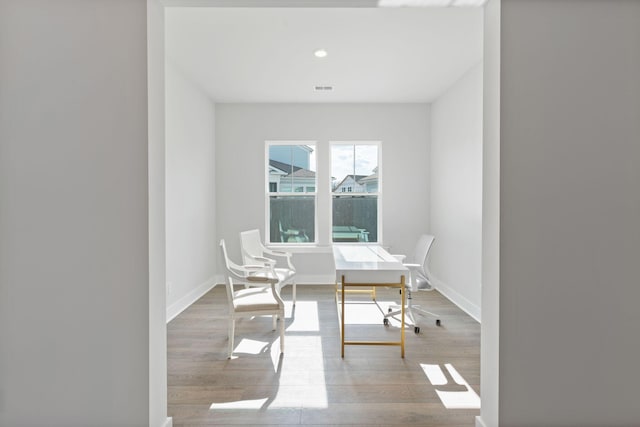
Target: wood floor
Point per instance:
(436, 384)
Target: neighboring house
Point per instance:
(370, 182)
(275, 175)
(350, 184)
(289, 169)
(286, 178)
(358, 184)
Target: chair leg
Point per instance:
(294, 293)
(282, 332)
(232, 327)
(275, 320)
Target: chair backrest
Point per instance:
(229, 266)
(225, 257)
(420, 255)
(251, 245)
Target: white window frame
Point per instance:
(378, 193)
(304, 193)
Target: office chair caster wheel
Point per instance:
(416, 329)
(385, 321)
(437, 322)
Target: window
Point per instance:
(291, 192)
(356, 196)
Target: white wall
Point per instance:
(73, 266)
(570, 213)
(489, 346)
(74, 252)
(157, 228)
(241, 132)
(456, 191)
(190, 190)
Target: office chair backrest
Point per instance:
(251, 245)
(420, 255)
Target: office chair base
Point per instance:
(409, 311)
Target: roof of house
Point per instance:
(368, 178)
(297, 171)
(304, 173)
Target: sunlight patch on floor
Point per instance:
(303, 369)
(240, 404)
(300, 376)
(305, 317)
(249, 346)
(454, 392)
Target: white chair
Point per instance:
(253, 301)
(418, 280)
(255, 253)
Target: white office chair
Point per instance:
(255, 253)
(418, 280)
(252, 301)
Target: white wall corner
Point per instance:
(479, 422)
(458, 299)
(183, 303)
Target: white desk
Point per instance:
(360, 266)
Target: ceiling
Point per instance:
(374, 54)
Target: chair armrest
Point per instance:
(250, 268)
(276, 252)
(283, 254)
(262, 279)
(270, 278)
(273, 281)
(264, 260)
(276, 295)
(241, 272)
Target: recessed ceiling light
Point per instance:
(320, 53)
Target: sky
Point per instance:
(342, 163)
(342, 160)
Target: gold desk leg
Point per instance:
(342, 320)
(403, 291)
(402, 322)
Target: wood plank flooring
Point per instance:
(436, 384)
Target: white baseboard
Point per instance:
(479, 422)
(179, 306)
(457, 298)
(168, 422)
(183, 303)
(316, 279)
